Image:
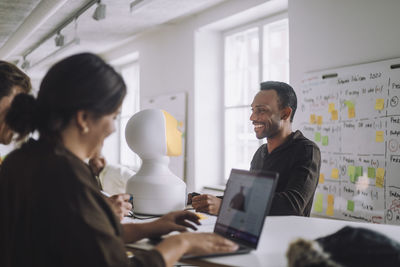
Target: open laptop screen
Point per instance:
(246, 202)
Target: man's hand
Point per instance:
(206, 203)
(174, 221)
(120, 204)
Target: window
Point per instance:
(252, 55)
(130, 106)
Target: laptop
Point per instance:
(247, 201)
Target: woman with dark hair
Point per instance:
(52, 211)
(12, 82)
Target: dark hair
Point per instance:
(10, 76)
(287, 96)
(79, 82)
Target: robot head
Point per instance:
(152, 133)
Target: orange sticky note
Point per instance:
(380, 104)
(201, 216)
(334, 115)
(319, 120)
(312, 119)
(329, 210)
(352, 112)
(331, 200)
(380, 175)
(321, 178)
(335, 173)
(331, 107)
(379, 136)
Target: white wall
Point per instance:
(167, 65)
(333, 33)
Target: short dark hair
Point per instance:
(79, 82)
(287, 96)
(10, 76)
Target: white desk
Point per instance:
(279, 231)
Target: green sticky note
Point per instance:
(349, 104)
(359, 171)
(351, 172)
(371, 172)
(350, 205)
(319, 198)
(317, 137)
(324, 140)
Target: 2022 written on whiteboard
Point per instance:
(353, 114)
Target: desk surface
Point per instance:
(279, 231)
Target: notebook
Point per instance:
(247, 200)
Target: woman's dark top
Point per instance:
(52, 213)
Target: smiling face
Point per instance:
(266, 114)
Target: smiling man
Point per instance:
(294, 157)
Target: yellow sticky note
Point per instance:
(329, 210)
(331, 107)
(321, 178)
(379, 104)
(334, 115)
(312, 119)
(201, 216)
(352, 112)
(335, 173)
(319, 120)
(380, 174)
(379, 136)
(331, 200)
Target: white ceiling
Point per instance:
(16, 16)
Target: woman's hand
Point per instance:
(174, 247)
(174, 221)
(120, 204)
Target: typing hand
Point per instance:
(120, 204)
(206, 203)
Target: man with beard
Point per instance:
(293, 156)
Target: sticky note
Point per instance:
(349, 104)
(321, 178)
(331, 107)
(201, 216)
(380, 174)
(380, 104)
(313, 119)
(359, 171)
(319, 120)
(325, 140)
(329, 211)
(352, 113)
(331, 200)
(379, 136)
(335, 173)
(350, 205)
(319, 198)
(371, 172)
(317, 137)
(334, 115)
(351, 172)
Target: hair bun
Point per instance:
(21, 115)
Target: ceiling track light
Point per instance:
(100, 12)
(25, 64)
(135, 4)
(59, 39)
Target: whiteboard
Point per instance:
(174, 104)
(353, 114)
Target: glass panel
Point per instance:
(240, 140)
(241, 67)
(129, 107)
(276, 51)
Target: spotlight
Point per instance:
(100, 12)
(135, 4)
(59, 40)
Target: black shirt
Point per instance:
(298, 163)
(53, 214)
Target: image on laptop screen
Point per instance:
(244, 206)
